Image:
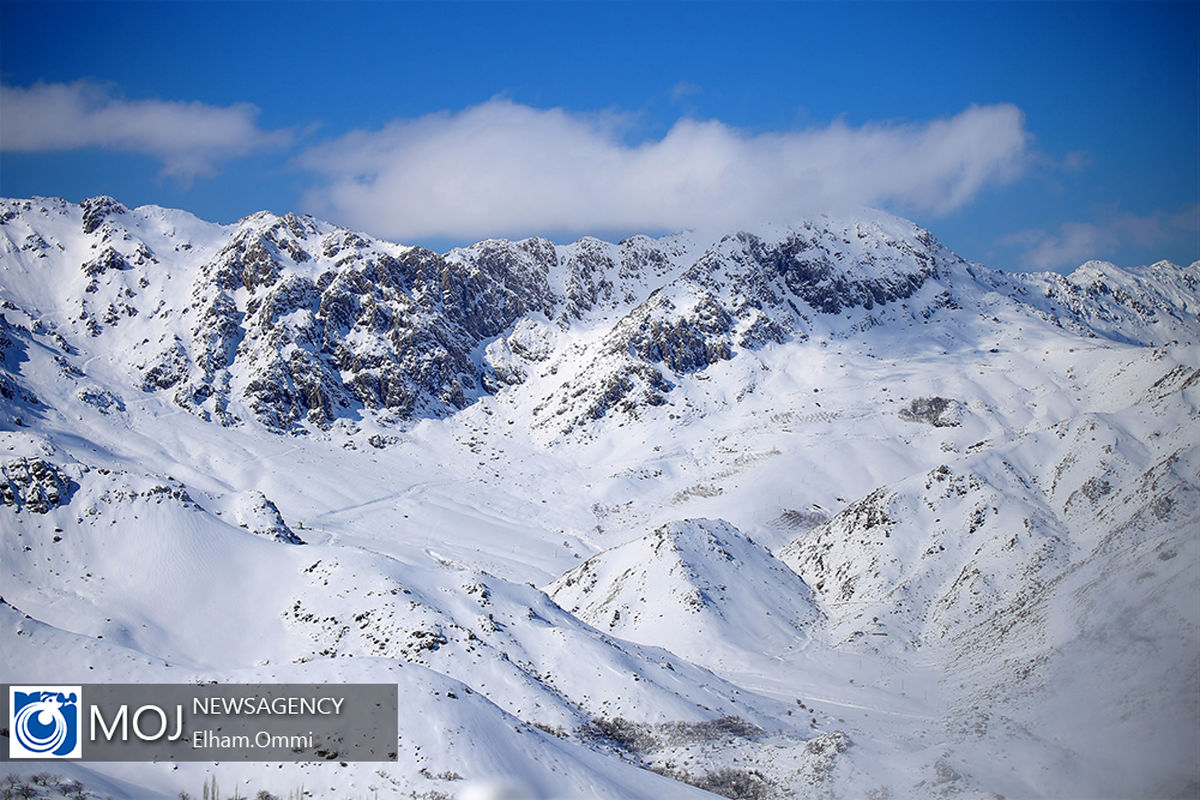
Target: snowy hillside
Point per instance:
(713, 590)
(810, 510)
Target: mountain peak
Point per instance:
(97, 210)
(687, 586)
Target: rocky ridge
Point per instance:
(298, 324)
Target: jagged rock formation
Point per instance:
(294, 322)
(940, 412)
(256, 513)
(33, 484)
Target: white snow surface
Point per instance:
(820, 510)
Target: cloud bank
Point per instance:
(1072, 243)
(509, 169)
(187, 137)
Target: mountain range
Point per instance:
(820, 509)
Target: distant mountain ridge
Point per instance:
(291, 321)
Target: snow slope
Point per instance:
(714, 591)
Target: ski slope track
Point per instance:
(820, 510)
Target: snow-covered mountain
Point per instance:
(713, 589)
(815, 509)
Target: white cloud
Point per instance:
(1067, 247)
(502, 168)
(188, 137)
(1073, 243)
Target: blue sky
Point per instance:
(1025, 136)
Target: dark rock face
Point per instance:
(383, 328)
(812, 266)
(815, 278)
(167, 369)
(33, 484)
(102, 400)
(940, 412)
(761, 330)
(96, 210)
(686, 343)
(637, 386)
(109, 259)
